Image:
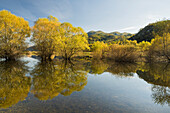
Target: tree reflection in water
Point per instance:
(98, 66)
(159, 76)
(118, 69)
(161, 94)
(122, 69)
(53, 78)
(14, 85)
(49, 79)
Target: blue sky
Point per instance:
(105, 15)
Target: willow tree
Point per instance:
(46, 36)
(160, 48)
(13, 32)
(73, 40)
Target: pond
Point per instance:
(27, 85)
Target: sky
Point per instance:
(106, 15)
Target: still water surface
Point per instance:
(28, 85)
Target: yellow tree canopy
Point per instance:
(73, 39)
(99, 49)
(13, 31)
(99, 46)
(46, 36)
(160, 46)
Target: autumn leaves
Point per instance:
(13, 31)
(48, 34)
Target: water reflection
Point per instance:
(49, 79)
(117, 69)
(14, 85)
(122, 69)
(159, 76)
(98, 66)
(161, 95)
(53, 78)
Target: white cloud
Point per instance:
(26, 14)
(33, 9)
(17, 8)
(127, 28)
(60, 9)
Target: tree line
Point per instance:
(158, 50)
(51, 37)
(48, 35)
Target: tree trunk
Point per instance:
(49, 58)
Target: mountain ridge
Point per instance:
(107, 37)
(151, 30)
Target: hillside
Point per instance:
(107, 37)
(151, 30)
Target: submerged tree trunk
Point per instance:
(46, 58)
(67, 58)
(9, 58)
(49, 57)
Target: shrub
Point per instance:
(123, 53)
(99, 49)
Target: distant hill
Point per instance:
(107, 37)
(150, 31)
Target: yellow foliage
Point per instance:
(99, 49)
(160, 48)
(46, 36)
(123, 53)
(144, 45)
(126, 42)
(73, 40)
(13, 31)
